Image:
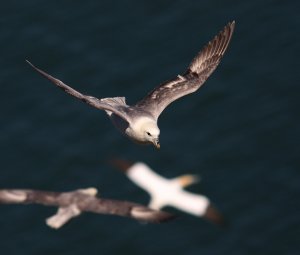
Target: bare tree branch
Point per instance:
(73, 203)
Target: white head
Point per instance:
(151, 133)
(148, 131)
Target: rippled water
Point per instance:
(239, 132)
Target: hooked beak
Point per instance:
(156, 143)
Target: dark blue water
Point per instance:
(240, 132)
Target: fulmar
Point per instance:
(139, 121)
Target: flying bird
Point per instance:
(170, 192)
(139, 122)
(73, 203)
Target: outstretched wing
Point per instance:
(101, 104)
(142, 175)
(197, 73)
(128, 209)
(72, 203)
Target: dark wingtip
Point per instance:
(147, 215)
(232, 26)
(35, 68)
(122, 165)
(213, 215)
(163, 217)
(29, 63)
(167, 217)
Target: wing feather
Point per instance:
(93, 101)
(128, 209)
(197, 73)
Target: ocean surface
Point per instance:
(239, 132)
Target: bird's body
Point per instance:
(170, 192)
(139, 122)
(165, 191)
(133, 129)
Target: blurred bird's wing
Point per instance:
(191, 203)
(142, 175)
(128, 209)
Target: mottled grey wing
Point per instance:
(128, 209)
(197, 73)
(95, 102)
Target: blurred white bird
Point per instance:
(170, 192)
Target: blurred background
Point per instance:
(240, 131)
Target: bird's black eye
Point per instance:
(148, 133)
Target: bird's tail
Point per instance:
(213, 215)
(156, 204)
(122, 165)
